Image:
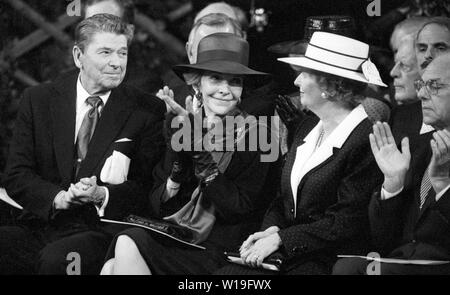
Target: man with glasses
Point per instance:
(410, 214)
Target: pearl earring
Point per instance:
(324, 95)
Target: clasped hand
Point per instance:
(259, 246)
(84, 192)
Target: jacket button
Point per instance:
(413, 241)
(292, 211)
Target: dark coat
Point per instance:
(400, 229)
(332, 200)
(240, 195)
(40, 163)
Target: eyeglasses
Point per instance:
(432, 86)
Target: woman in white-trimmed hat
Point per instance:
(329, 173)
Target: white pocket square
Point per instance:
(115, 170)
(123, 140)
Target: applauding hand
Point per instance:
(392, 162)
(440, 160)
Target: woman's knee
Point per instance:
(125, 246)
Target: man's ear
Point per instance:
(77, 53)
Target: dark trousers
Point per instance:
(75, 250)
(358, 266)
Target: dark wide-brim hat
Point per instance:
(223, 53)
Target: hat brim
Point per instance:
(304, 62)
(218, 66)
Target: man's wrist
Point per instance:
(100, 195)
(393, 184)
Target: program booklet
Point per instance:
(167, 229)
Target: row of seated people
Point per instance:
(65, 181)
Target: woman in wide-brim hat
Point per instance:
(232, 183)
(329, 173)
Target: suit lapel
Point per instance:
(113, 117)
(63, 112)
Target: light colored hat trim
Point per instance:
(358, 68)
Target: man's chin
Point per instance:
(112, 83)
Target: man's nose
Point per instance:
(114, 60)
(423, 94)
(429, 54)
(395, 71)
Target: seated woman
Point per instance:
(329, 172)
(232, 183)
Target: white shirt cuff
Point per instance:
(385, 195)
(442, 192)
(101, 210)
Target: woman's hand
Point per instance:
(246, 248)
(165, 94)
(393, 163)
(261, 249)
(440, 160)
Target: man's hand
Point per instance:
(65, 200)
(440, 160)
(87, 191)
(393, 163)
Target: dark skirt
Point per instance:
(168, 257)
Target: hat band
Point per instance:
(333, 65)
(339, 60)
(337, 52)
(224, 55)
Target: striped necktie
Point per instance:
(425, 187)
(87, 129)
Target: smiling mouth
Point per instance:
(221, 99)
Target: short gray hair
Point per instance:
(438, 20)
(103, 22)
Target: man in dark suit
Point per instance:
(410, 215)
(84, 147)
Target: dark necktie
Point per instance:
(87, 129)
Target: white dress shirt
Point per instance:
(82, 107)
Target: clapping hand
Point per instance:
(87, 191)
(440, 160)
(392, 162)
(165, 94)
(287, 111)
